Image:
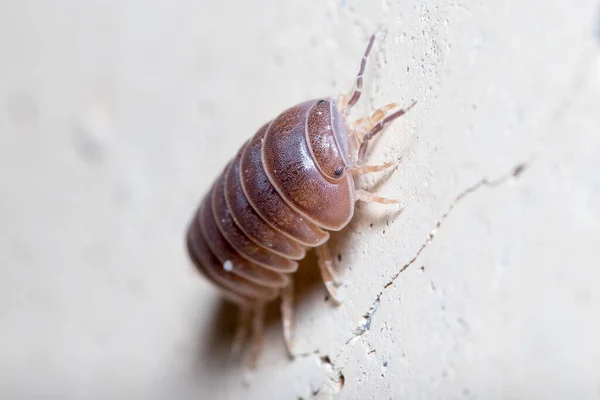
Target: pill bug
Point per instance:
(288, 185)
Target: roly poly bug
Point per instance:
(289, 185)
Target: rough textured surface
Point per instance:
(115, 117)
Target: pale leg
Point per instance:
(241, 331)
(287, 315)
(342, 102)
(362, 151)
(368, 197)
(362, 126)
(365, 124)
(367, 169)
(327, 272)
(257, 332)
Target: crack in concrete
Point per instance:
(368, 316)
(515, 173)
(365, 326)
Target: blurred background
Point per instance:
(115, 116)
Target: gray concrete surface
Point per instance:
(115, 116)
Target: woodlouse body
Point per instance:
(286, 188)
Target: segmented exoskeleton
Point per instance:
(289, 185)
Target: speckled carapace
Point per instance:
(289, 185)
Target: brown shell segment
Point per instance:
(291, 169)
(238, 240)
(225, 253)
(233, 285)
(251, 223)
(267, 202)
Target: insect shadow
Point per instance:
(216, 347)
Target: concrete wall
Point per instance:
(115, 116)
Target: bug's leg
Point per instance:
(287, 313)
(369, 197)
(381, 112)
(361, 126)
(377, 128)
(359, 129)
(365, 124)
(342, 102)
(257, 332)
(327, 272)
(367, 169)
(241, 331)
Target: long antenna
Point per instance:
(363, 65)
